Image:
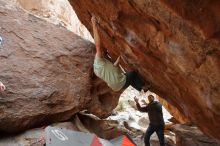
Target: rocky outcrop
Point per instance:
(107, 129)
(58, 12)
(47, 71)
(192, 136)
(173, 44)
(177, 115)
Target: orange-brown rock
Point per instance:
(181, 118)
(47, 71)
(173, 44)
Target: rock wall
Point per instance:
(191, 136)
(58, 12)
(173, 44)
(47, 71)
(173, 111)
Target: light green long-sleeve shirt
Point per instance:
(111, 74)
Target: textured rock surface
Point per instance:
(58, 12)
(47, 71)
(192, 136)
(173, 111)
(173, 44)
(107, 129)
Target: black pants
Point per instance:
(133, 79)
(159, 131)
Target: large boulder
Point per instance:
(47, 71)
(173, 44)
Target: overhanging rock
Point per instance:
(173, 44)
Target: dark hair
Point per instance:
(151, 96)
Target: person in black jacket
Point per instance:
(155, 114)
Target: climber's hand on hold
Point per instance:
(93, 20)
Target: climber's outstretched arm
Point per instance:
(96, 37)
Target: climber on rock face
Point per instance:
(112, 73)
(2, 87)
